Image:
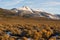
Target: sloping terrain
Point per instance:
(27, 12)
(15, 27)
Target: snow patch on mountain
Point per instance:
(26, 8)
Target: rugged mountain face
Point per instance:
(25, 8)
(5, 12)
(27, 12)
(57, 15)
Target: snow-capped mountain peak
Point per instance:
(26, 11)
(26, 8)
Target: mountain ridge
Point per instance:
(28, 12)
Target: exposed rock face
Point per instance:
(28, 12)
(34, 13)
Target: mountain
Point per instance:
(28, 13)
(6, 12)
(25, 8)
(57, 15)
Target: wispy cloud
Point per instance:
(52, 3)
(10, 3)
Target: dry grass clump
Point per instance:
(25, 32)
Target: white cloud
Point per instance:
(10, 3)
(52, 3)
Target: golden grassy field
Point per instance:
(18, 28)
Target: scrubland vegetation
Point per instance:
(15, 27)
(29, 29)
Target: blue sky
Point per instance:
(51, 6)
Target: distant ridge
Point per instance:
(26, 11)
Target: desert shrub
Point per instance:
(24, 38)
(39, 31)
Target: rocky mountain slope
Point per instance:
(27, 12)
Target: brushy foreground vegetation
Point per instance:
(29, 29)
(15, 27)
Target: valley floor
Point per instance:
(29, 29)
